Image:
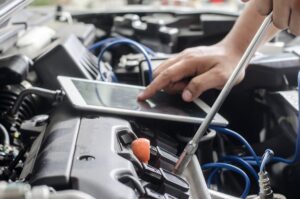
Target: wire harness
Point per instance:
(234, 169)
(111, 42)
(248, 162)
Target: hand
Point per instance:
(286, 13)
(194, 71)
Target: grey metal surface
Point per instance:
(193, 174)
(219, 195)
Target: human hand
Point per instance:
(286, 13)
(194, 71)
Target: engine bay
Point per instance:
(49, 149)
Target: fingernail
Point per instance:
(187, 95)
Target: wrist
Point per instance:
(232, 47)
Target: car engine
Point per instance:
(51, 150)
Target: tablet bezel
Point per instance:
(78, 102)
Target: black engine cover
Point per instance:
(80, 152)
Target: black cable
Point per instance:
(56, 95)
(142, 74)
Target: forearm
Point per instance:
(245, 28)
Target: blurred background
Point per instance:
(232, 5)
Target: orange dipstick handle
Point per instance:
(141, 149)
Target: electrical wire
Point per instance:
(237, 136)
(100, 44)
(267, 157)
(211, 177)
(255, 160)
(233, 159)
(234, 169)
(245, 164)
(275, 159)
(103, 42)
(296, 156)
(107, 41)
(4, 132)
(128, 42)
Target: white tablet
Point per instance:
(121, 99)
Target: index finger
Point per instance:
(169, 76)
(185, 68)
(161, 81)
(154, 87)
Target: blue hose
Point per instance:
(296, 157)
(234, 169)
(124, 41)
(103, 42)
(245, 164)
(237, 136)
(233, 159)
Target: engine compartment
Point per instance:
(49, 149)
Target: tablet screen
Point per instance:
(123, 97)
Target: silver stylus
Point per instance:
(192, 146)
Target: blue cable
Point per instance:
(296, 157)
(233, 159)
(124, 41)
(267, 157)
(245, 164)
(114, 78)
(254, 159)
(212, 176)
(234, 169)
(237, 136)
(251, 161)
(100, 44)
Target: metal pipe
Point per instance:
(50, 94)
(4, 132)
